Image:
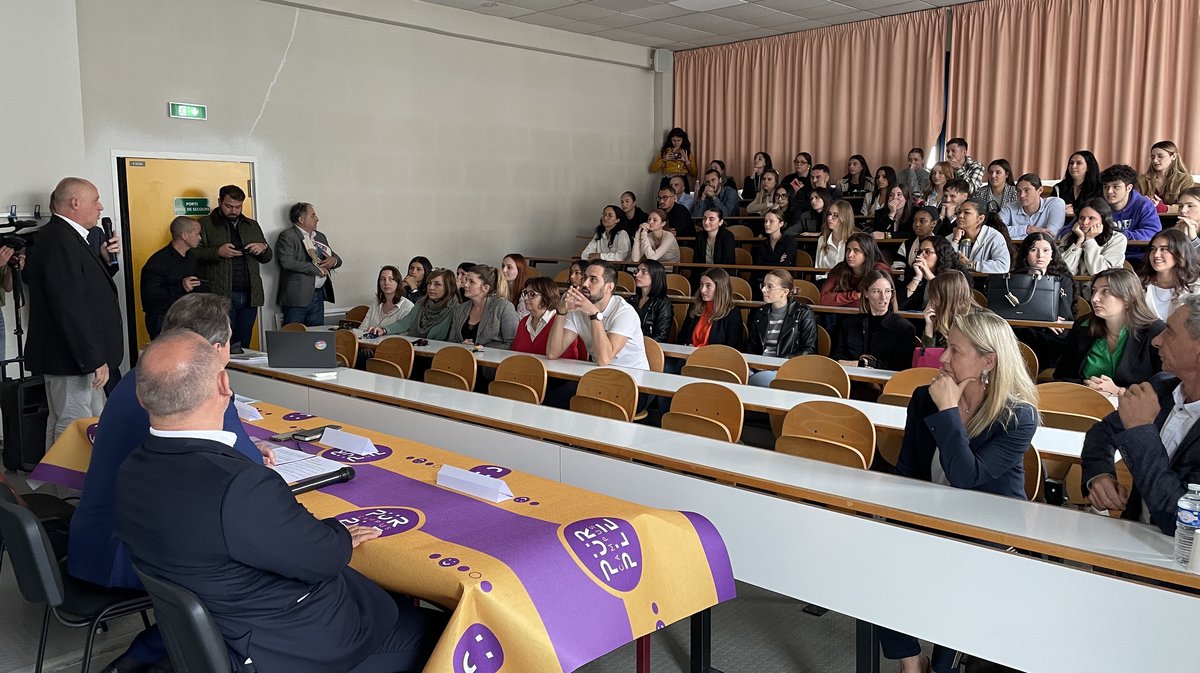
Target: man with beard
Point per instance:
(232, 247)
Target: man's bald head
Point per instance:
(78, 200)
(178, 375)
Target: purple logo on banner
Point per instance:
(91, 432)
(340, 456)
(493, 471)
(478, 651)
(390, 520)
(297, 416)
(609, 549)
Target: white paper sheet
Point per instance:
(312, 466)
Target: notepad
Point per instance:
(311, 466)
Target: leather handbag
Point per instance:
(928, 357)
(1024, 296)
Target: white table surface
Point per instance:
(1050, 441)
(1007, 517)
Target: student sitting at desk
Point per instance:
(651, 302)
(608, 326)
(968, 429)
(876, 337)
(540, 296)
(1154, 429)
(713, 317)
(1039, 255)
(782, 327)
(1171, 269)
(430, 317)
(1112, 348)
(486, 318)
(844, 284)
(934, 255)
(390, 303)
(714, 244)
(947, 297)
(1090, 244)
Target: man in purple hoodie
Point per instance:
(1133, 214)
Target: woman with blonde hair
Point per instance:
(836, 230)
(968, 429)
(1110, 350)
(486, 318)
(948, 296)
(1165, 177)
(942, 173)
(713, 318)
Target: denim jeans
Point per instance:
(241, 318)
(312, 315)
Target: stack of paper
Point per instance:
(296, 466)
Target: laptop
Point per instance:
(301, 349)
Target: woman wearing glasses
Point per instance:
(877, 336)
(539, 295)
(782, 327)
(839, 225)
(935, 254)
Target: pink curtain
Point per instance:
(873, 88)
(1034, 80)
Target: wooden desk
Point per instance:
(764, 362)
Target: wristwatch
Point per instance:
(598, 315)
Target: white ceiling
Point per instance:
(656, 23)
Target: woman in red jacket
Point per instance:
(842, 286)
(540, 296)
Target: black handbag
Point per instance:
(1023, 296)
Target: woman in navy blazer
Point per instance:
(970, 429)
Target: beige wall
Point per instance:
(408, 138)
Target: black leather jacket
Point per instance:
(797, 335)
(656, 317)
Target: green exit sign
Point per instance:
(191, 206)
(188, 111)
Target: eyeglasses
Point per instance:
(529, 294)
(926, 251)
(780, 196)
(881, 293)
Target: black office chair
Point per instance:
(72, 602)
(193, 641)
(54, 513)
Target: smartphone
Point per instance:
(282, 437)
(312, 433)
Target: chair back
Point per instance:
(1072, 398)
(441, 377)
(826, 451)
(654, 354)
(813, 374)
(562, 277)
(824, 344)
(690, 424)
(625, 281)
(1034, 477)
(711, 401)
(594, 406)
(532, 272)
(806, 291)
(524, 371)
(900, 387)
(294, 327)
(1031, 360)
(740, 231)
(740, 289)
(357, 314)
(980, 298)
(1082, 307)
(832, 422)
(193, 640)
(398, 351)
(346, 345)
(611, 385)
(686, 254)
(803, 258)
(678, 285)
(33, 561)
(455, 360)
(680, 312)
(705, 359)
(742, 257)
(386, 368)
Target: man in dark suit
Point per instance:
(196, 512)
(76, 339)
(305, 260)
(1154, 429)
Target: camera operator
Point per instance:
(10, 258)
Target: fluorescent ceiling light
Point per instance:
(705, 5)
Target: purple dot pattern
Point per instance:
(448, 562)
(486, 586)
(463, 569)
(654, 608)
(494, 471)
(297, 416)
(390, 520)
(478, 651)
(521, 500)
(659, 625)
(610, 550)
(340, 456)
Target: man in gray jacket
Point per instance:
(306, 262)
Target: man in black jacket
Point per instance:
(678, 217)
(170, 273)
(76, 339)
(196, 512)
(1155, 430)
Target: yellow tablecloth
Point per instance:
(544, 582)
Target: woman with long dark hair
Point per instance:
(417, 280)
(843, 286)
(1000, 188)
(609, 242)
(650, 300)
(885, 179)
(894, 218)
(802, 163)
(753, 182)
(1039, 254)
(804, 221)
(857, 179)
(1110, 349)
(934, 255)
(1080, 181)
(674, 157)
(876, 336)
(1170, 270)
(1093, 244)
(390, 303)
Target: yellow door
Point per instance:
(154, 192)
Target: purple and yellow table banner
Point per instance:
(547, 581)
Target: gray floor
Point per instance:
(759, 631)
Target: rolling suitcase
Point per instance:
(23, 405)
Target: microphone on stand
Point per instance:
(106, 223)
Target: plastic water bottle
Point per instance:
(1187, 522)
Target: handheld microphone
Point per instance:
(106, 222)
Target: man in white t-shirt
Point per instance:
(608, 326)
